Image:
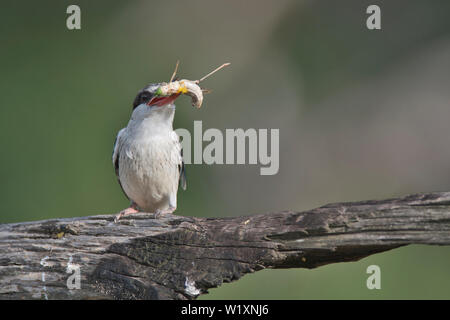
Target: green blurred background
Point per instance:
(362, 115)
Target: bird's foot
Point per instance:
(169, 210)
(130, 210)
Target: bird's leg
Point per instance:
(169, 210)
(130, 210)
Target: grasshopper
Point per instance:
(184, 86)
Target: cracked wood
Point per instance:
(175, 257)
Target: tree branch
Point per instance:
(175, 257)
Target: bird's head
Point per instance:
(157, 95)
(149, 102)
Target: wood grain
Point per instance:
(176, 257)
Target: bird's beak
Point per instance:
(162, 101)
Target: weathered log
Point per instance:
(176, 257)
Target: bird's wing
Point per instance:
(182, 170)
(115, 157)
(180, 162)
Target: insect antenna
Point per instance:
(212, 72)
(175, 71)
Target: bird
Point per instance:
(147, 155)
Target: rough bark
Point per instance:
(176, 257)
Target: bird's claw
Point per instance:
(133, 209)
(130, 210)
(160, 212)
